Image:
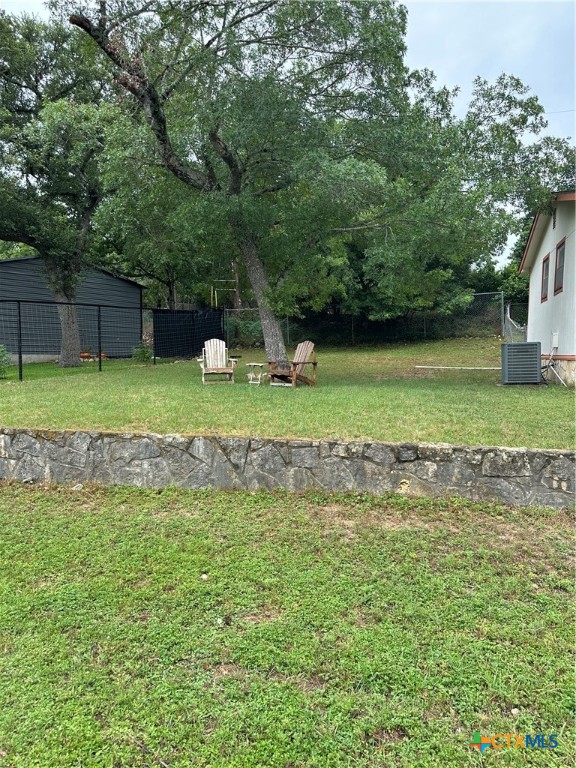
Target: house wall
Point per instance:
(557, 313)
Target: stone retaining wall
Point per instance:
(510, 475)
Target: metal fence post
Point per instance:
(502, 315)
(20, 369)
(99, 339)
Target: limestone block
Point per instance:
(127, 451)
(176, 441)
(5, 446)
(57, 454)
(368, 476)
(469, 456)
(499, 490)
(256, 479)
(180, 462)
(144, 473)
(79, 441)
(537, 461)
(25, 443)
(406, 452)
(267, 459)
(57, 472)
(335, 474)
(325, 448)
(542, 497)
(304, 456)
(29, 469)
(7, 467)
(505, 462)
(435, 452)
(410, 485)
(300, 479)
(379, 454)
(236, 449)
(425, 470)
(455, 475)
(559, 475)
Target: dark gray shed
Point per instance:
(24, 289)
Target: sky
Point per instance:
(460, 40)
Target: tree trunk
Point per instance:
(273, 339)
(171, 293)
(70, 330)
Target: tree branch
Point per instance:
(228, 158)
(133, 78)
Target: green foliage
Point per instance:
(241, 629)
(142, 353)
(514, 285)
(50, 140)
(5, 361)
(244, 332)
(15, 250)
(303, 134)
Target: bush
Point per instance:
(142, 353)
(5, 361)
(245, 332)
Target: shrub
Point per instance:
(5, 361)
(245, 332)
(142, 353)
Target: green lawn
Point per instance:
(212, 629)
(362, 393)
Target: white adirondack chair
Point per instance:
(216, 364)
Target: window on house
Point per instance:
(545, 273)
(559, 269)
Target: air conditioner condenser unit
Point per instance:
(521, 363)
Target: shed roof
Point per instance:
(90, 266)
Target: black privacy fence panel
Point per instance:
(180, 333)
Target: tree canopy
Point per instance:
(289, 136)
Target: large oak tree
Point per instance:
(246, 101)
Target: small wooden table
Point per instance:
(255, 372)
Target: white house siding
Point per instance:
(558, 313)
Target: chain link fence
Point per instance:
(515, 330)
(483, 316)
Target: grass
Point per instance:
(211, 629)
(362, 393)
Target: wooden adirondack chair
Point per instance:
(215, 362)
(288, 377)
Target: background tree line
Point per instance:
(175, 142)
